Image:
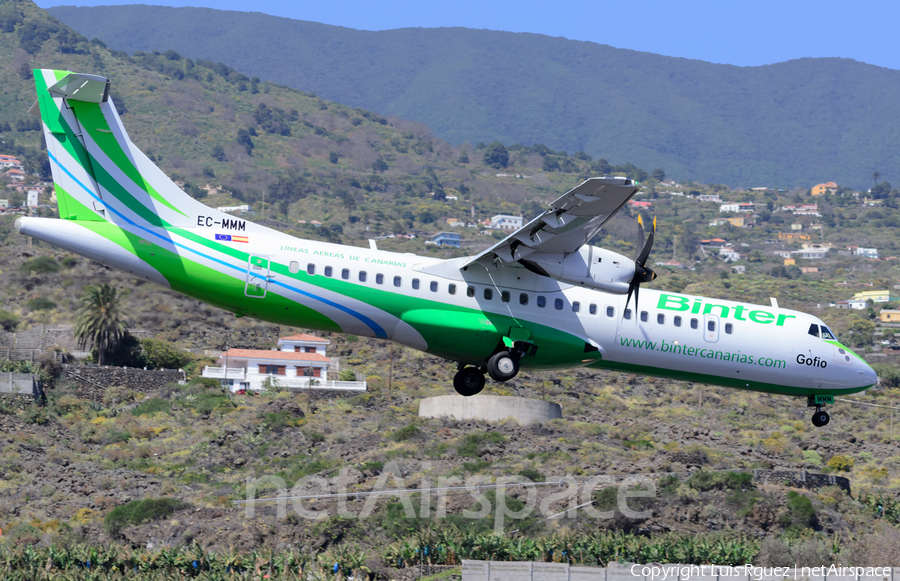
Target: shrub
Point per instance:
(704, 481)
(40, 304)
(841, 463)
(35, 414)
(347, 375)
(152, 406)
(140, 511)
(117, 395)
(40, 265)
(8, 321)
(160, 354)
(407, 433)
(532, 474)
(800, 509)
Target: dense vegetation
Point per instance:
(796, 123)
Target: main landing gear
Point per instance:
(821, 417)
(468, 381)
(502, 366)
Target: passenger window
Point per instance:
(661, 319)
(379, 278)
(628, 314)
(592, 309)
(397, 281)
(470, 292)
(434, 286)
(541, 301)
(576, 306)
(694, 324)
(677, 321)
(827, 334)
(729, 328)
(558, 304)
(488, 294)
(294, 267)
(415, 284)
(345, 274)
(610, 311)
(451, 289)
(362, 276)
(310, 269)
(814, 330)
(328, 271)
(711, 326)
(644, 316)
(504, 296)
(523, 299)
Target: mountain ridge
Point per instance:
(799, 122)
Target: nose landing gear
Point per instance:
(821, 417)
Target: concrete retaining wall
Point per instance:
(523, 571)
(490, 408)
(21, 385)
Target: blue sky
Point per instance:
(723, 31)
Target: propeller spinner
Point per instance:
(641, 272)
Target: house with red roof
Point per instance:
(298, 362)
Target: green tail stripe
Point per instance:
(91, 118)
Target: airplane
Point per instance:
(542, 298)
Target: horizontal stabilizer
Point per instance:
(82, 87)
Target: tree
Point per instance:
(875, 175)
(861, 333)
(100, 321)
(496, 156)
(658, 175)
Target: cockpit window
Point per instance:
(827, 334)
(814, 330)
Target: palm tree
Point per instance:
(100, 322)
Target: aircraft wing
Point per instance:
(569, 222)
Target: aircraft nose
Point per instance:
(868, 376)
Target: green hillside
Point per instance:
(794, 123)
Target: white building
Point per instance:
(710, 198)
(241, 208)
(857, 304)
(810, 253)
(33, 198)
(867, 252)
(504, 222)
(729, 254)
(729, 207)
(299, 362)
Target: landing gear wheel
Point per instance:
(820, 419)
(468, 381)
(503, 366)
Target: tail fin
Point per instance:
(98, 173)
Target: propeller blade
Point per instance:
(640, 247)
(637, 290)
(645, 251)
(628, 299)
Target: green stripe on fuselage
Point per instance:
(723, 381)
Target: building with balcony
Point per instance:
(299, 362)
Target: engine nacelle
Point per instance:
(591, 267)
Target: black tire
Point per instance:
(820, 419)
(468, 381)
(503, 366)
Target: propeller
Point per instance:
(641, 272)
